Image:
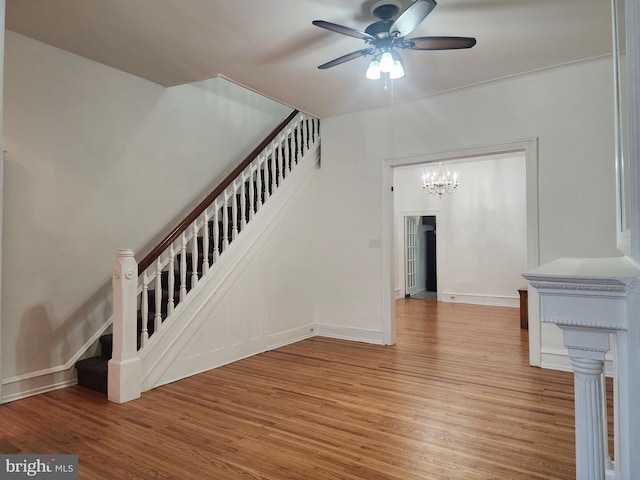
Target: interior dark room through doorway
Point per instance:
(420, 257)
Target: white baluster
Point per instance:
(286, 153)
(280, 150)
(205, 243)
(124, 372)
(314, 129)
(259, 183)
(225, 223)
(234, 211)
(243, 202)
(216, 231)
(144, 310)
(194, 255)
(171, 274)
(158, 315)
(183, 267)
(274, 167)
(298, 132)
(302, 130)
(267, 181)
(304, 134)
(252, 195)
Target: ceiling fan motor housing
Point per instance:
(379, 29)
(385, 10)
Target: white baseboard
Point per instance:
(287, 337)
(349, 333)
(53, 378)
(493, 300)
(555, 361)
(18, 388)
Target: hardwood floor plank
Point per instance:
(455, 398)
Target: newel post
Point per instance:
(124, 366)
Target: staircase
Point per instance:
(173, 269)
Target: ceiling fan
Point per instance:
(385, 36)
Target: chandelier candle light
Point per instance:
(440, 181)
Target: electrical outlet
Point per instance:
(452, 297)
(374, 242)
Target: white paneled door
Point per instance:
(410, 240)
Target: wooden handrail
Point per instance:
(164, 244)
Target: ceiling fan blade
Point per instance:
(334, 27)
(411, 17)
(346, 58)
(438, 43)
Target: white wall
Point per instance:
(99, 160)
(569, 109)
(481, 230)
(349, 301)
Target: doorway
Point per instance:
(527, 147)
(421, 273)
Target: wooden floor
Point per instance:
(454, 399)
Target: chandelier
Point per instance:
(440, 181)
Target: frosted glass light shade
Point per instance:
(397, 71)
(386, 62)
(373, 72)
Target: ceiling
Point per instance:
(272, 47)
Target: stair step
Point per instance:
(93, 373)
(106, 343)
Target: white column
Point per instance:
(593, 300)
(627, 386)
(587, 350)
(124, 366)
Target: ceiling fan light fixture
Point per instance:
(384, 37)
(373, 72)
(386, 62)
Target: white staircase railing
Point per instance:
(148, 295)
